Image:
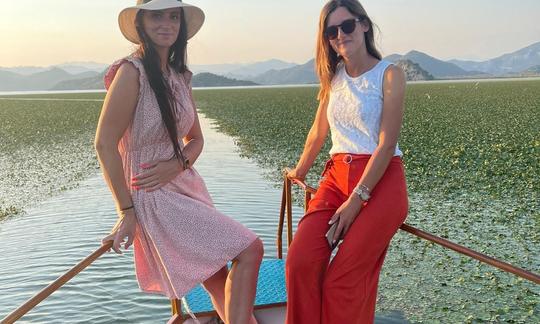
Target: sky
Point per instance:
(48, 32)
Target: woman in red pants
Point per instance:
(363, 189)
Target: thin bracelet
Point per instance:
(127, 208)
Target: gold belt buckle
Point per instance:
(347, 159)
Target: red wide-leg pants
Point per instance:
(344, 291)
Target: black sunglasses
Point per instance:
(347, 26)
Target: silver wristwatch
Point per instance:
(363, 192)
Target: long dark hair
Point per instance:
(152, 65)
(326, 58)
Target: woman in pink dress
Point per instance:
(147, 140)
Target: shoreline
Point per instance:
(272, 86)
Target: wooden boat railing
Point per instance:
(285, 210)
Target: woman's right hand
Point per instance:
(124, 228)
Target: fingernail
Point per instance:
(330, 222)
(334, 242)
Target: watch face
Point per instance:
(363, 196)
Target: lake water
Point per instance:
(51, 237)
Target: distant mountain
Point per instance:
(220, 69)
(24, 70)
(242, 71)
(49, 77)
(513, 64)
(72, 68)
(417, 65)
(199, 80)
(10, 81)
(255, 69)
(393, 58)
(510, 63)
(535, 68)
(413, 71)
(44, 80)
(439, 69)
(206, 79)
(91, 83)
(300, 74)
(532, 71)
(80, 67)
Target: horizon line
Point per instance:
(270, 59)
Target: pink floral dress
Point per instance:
(181, 239)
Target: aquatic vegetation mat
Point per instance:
(46, 146)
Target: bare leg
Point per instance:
(215, 286)
(241, 285)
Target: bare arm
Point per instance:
(391, 119)
(314, 142)
(116, 115)
(194, 140)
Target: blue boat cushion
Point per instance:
(270, 289)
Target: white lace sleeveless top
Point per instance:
(355, 109)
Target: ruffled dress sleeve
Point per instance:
(113, 69)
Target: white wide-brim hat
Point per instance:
(126, 19)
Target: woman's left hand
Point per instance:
(345, 215)
(156, 174)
